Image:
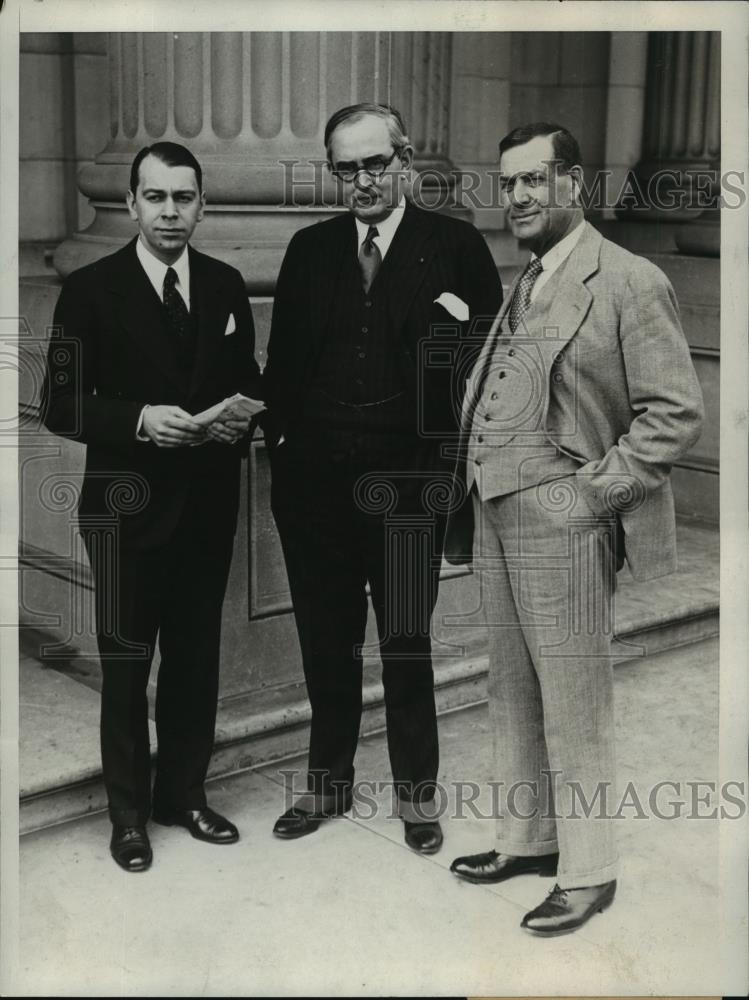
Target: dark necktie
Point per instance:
(176, 310)
(370, 258)
(521, 300)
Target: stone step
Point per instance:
(60, 767)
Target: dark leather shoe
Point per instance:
(565, 910)
(494, 867)
(426, 838)
(131, 848)
(203, 824)
(297, 822)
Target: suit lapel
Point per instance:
(324, 272)
(407, 261)
(140, 311)
(208, 305)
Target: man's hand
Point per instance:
(171, 427)
(229, 429)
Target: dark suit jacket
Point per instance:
(430, 254)
(110, 354)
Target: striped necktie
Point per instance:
(370, 258)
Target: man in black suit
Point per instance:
(144, 339)
(359, 412)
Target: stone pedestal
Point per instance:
(252, 107)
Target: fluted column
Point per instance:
(421, 91)
(252, 107)
(680, 167)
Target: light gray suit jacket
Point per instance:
(623, 398)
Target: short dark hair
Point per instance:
(354, 112)
(170, 153)
(565, 145)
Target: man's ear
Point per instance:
(576, 175)
(406, 156)
(130, 200)
(201, 210)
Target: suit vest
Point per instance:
(508, 449)
(358, 390)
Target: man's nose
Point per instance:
(363, 179)
(520, 193)
(170, 206)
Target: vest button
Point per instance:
(365, 329)
(502, 374)
(360, 381)
(511, 352)
(480, 439)
(368, 304)
(362, 354)
(495, 395)
(487, 417)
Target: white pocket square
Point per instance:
(231, 326)
(455, 306)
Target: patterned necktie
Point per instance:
(521, 300)
(176, 310)
(370, 258)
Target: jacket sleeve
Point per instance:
(287, 314)
(70, 406)
(664, 395)
(248, 377)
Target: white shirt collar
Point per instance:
(156, 271)
(385, 229)
(555, 257)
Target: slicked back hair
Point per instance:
(355, 112)
(564, 144)
(170, 153)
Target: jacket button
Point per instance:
(365, 329)
(362, 354)
(480, 439)
(511, 352)
(502, 374)
(495, 395)
(368, 304)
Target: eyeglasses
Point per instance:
(373, 166)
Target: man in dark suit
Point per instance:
(358, 415)
(582, 399)
(144, 339)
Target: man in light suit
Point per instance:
(144, 339)
(358, 412)
(581, 401)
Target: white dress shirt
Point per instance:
(385, 230)
(553, 259)
(156, 272)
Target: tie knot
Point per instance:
(170, 278)
(371, 233)
(535, 267)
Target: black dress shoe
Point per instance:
(565, 910)
(494, 867)
(130, 848)
(296, 822)
(203, 824)
(426, 838)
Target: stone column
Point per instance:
(681, 137)
(252, 106)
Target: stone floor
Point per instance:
(351, 910)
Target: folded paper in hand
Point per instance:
(233, 406)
